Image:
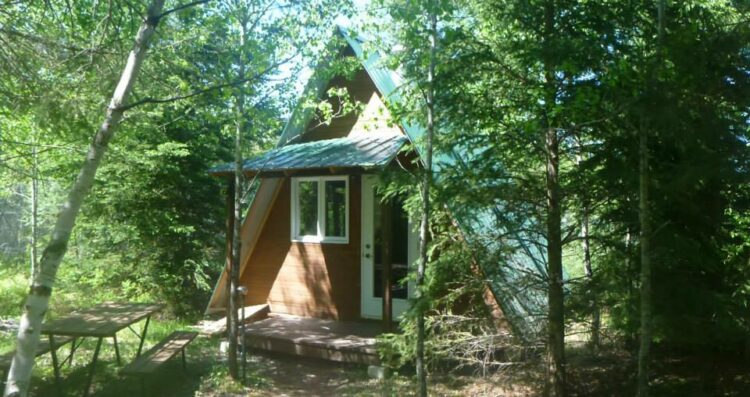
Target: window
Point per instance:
(320, 209)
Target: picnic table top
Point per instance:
(103, 320)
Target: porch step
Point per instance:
(219, 327)
(351, 342)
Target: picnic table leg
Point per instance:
(117, 350)
(72, 351)
(93, 367)
(55, 363)
(184, 363)
(143, 336)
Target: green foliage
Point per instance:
(153, 226)
(13, 289)
(459, 326)
(159, 220)
(696, 114)
(493, 101)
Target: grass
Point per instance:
(13, 289)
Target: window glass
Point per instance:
(307, 204)
(335, 208)
(398, 239)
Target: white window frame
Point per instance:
(320, 237)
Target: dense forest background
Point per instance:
(612, 136)
(153, 226)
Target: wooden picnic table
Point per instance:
(100, 321)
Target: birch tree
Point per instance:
(38, 299)
(239, 179)
(34, 213)
(424, 226)
(264, 42)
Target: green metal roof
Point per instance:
(364, 151)
(514, 267)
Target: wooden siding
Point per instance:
(373, 118)
(306, 279)
(255, 219)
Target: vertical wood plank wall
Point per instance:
(306, 279)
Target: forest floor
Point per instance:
(607, 374)
(268, 374)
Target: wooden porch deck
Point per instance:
(351, 342)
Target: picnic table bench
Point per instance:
(43, 348)
(154, 357)
(159, 354)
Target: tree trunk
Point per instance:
(34, 213)
(587, 267)
(230, 302)
(386, 261)
(37, 301)
(631, 338)
(556, 315)
(644, 349)
(556, 320)
(589, 271)
(425, 223)
(234, 271)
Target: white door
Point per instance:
(404, 243)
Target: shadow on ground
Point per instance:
(268, 374)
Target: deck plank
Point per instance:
(328, 339)
(218, 327)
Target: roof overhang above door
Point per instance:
(353, 153)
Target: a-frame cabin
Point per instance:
(317, 243)
(316, 240)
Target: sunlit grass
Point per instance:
(13, 289)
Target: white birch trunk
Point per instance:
(38, 299)
(234, 271)
(425, 223)
(34, 212)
